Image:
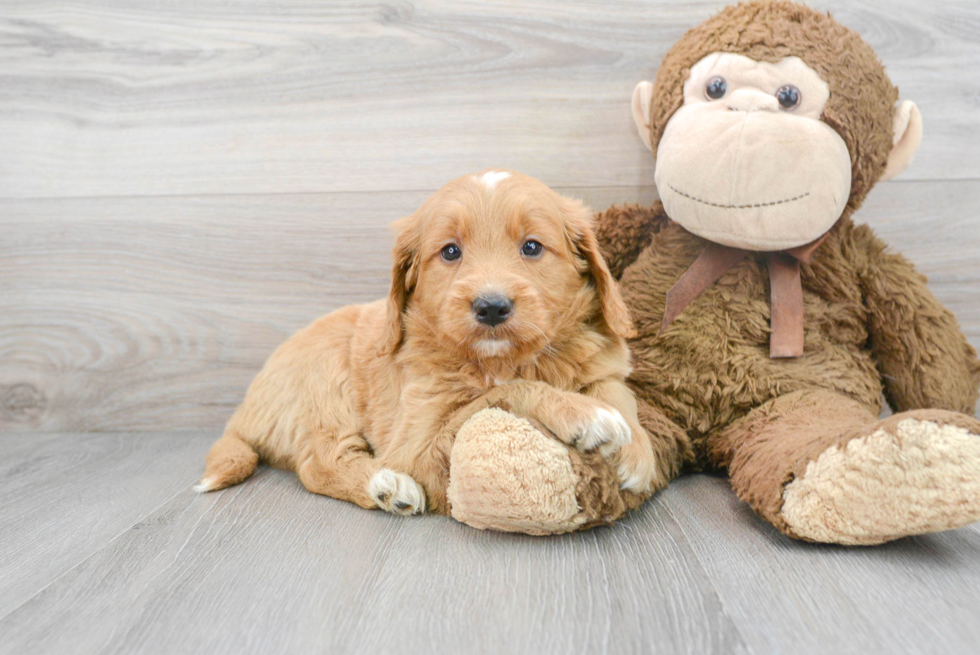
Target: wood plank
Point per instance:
(267, 567)
(114, 98)
(97, 307)
(628, 589)
(155, 313)
(160, 322)
(65, 496)
(916, 595)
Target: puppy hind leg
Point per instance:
(344, 468)
(230, 461)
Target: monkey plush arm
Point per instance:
(924, 359)
(623, 231)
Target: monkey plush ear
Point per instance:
(908, 134)
(642, 97)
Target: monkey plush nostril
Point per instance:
(492, 309)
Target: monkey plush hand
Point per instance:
(769, 323)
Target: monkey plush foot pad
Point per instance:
(918, 477)
(506, 475)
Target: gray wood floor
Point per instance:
(184, 184)
(105, 549)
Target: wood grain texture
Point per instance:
(113, 322)
(184, 184)
(266, 567)
(916, 595)
(65, 496)
(108, 321)
(116, 98)
(630, 589)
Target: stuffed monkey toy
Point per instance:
(769, 324)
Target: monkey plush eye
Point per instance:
(788, 96)
(716, 88)
(451, 252)
(532, 248)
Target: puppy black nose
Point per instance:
(493, 309)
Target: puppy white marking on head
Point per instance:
(492, 347)
(396, 492)
(490, 178)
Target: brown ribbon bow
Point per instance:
(786, 290)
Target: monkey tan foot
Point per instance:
(506, 475)
(908, 477)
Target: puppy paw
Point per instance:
(608, 431)
(636, 466)
(396, 492)
(590, 425)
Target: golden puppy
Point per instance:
(499, 297)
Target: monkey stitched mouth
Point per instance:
(720, 206)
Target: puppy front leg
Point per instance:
(345, 468)
(419, 445)
(396, 492)
(603, 416)
(425, 461)
(587, 423)
(339, 467)
(635, 462)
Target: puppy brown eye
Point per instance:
(532, 248)
(451, 252)
(716, 88)
(788, 96)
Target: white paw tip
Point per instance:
(204, 485)
(609, 430)
(632, 482)
(636, 480)
(396, 492)
(616, 423)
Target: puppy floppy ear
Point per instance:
(404, 274)
(580, 232)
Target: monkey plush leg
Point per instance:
(822, 467)
(505, 474)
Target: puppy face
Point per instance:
(499, 265)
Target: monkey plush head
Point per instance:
(769, 122)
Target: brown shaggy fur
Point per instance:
(707, 387)
(387, 385)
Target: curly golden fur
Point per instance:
(364, 403)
